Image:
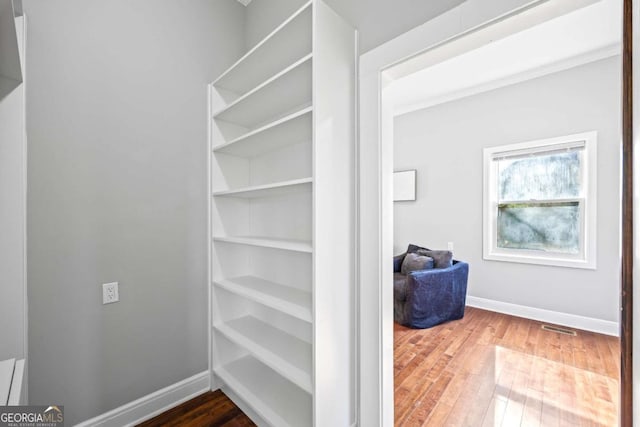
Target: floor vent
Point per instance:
(559, 330)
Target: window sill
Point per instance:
(542, 260)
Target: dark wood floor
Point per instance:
(212, 409)
(487, 369)
(490, 369)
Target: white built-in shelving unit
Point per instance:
(282, 222)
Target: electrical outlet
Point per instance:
(110, 293)
(450, 246)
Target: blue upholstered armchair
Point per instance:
(426, 298)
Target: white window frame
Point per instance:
(586, 258)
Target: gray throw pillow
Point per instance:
(413, 262)
(441, 259)
(415, 248)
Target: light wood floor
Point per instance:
(491, 369)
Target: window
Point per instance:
(540, 202)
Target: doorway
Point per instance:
(388, 77)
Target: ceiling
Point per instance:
(381, 20)
(588, 34)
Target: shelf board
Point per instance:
(288, 300)
(273, 397)
(268, 190)
(290, 40)
(286, 91)
(268, 242)
(287, 355)
(291, 129)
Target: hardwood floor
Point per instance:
(487, 369)
(212, 409)
(491, 369)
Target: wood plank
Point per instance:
(532, 412)
(213, 408)
(493, 369)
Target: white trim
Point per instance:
(600, 326)
(209, 189)
(25, 299)
(533, 73)
(588, 203)
(152, 404)
(356, 237)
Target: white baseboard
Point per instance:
(152, 404)
(579, 322)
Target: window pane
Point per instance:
(541, 176)
(549, 227)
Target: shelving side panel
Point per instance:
(334, 49)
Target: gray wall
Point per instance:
(444, 143)
(12, 221)
(117, 179)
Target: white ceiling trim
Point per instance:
(583, 36)
(244, 2)
(522, 76)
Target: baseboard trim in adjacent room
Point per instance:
(574, 321)
(152, 404)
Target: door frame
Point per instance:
(375, 241)
(626, 285)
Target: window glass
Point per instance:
(549, 227)
(540, 176)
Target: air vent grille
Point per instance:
(559, 330)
